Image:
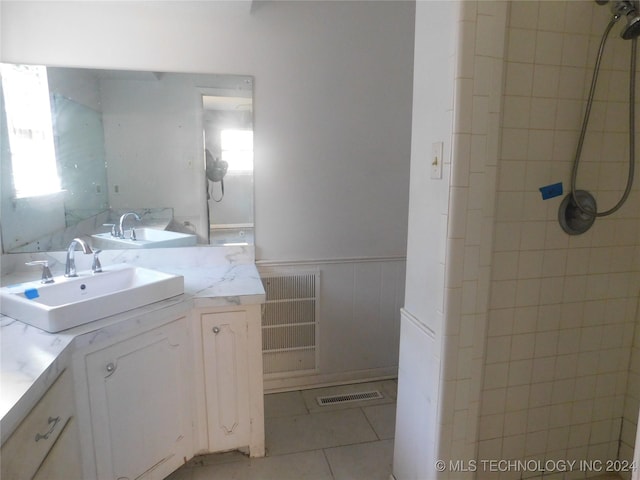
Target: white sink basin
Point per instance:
(69, 302)
(145, 238)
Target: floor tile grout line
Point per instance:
(370, 424)
(326, 459)
(365, 442)
(324, 412)
(303, 402)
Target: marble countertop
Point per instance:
(31, 359)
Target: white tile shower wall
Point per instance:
(631, 401)
(478, 84)
(562, 309)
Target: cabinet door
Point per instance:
(224, 338)
(139, 400)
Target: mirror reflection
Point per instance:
(82, 148)
(228, 140)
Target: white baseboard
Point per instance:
(276, 385)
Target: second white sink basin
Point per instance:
(145, 238)
(69, 302)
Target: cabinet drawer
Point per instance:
(27, 447)
(63, 461)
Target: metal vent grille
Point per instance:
(290, 286)
(348, 397)
(290, 323)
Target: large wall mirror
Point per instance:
(80, 148)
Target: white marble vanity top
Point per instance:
(31, 359)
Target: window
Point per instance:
(30, 130)
(237, 149)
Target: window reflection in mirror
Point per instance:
(228, 138)
(29, 130)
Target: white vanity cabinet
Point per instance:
(145, 390)
(45, 445)
(139, 394)
(230, 345)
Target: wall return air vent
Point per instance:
(290, 323)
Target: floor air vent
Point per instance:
(348, 397)
(290, 323)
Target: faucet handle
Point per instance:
(96, 267)
(46, 272)
(114, 228)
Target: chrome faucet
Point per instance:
(122, 219)
(114, 229)
(96, 266)
(47, 277)
(70, 266)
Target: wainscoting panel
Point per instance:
(355, 322)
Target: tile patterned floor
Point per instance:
(352, 441)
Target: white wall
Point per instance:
(419, 387)
(432, 122)
(332, 100)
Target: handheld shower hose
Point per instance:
(578, 211)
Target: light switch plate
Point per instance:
(436, 160)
